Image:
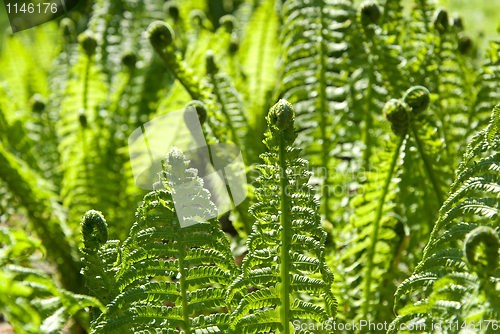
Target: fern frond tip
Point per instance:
(67, 26)
(160, 35)
(94, 229)
(483, 260)
(370, 12)
(281, 116)
(441, 21)
(398, 113)
(418, 98)
(88, 42)
(171, 8)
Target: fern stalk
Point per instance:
(428, 166)
(324, 145)
(285, 245)
(368, 121)
(376, 225)
(183, 287)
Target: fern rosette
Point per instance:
(286, 247)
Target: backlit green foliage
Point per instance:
(370, 138)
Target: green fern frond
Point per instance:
(458, 281)
(286, 248)
(173, 254)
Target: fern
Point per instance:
(314, 33)
(161, 261)
(457, 279)
(30, 300)
(335, 193)
(286, 248)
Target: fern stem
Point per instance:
(86, 82)
(376, 225)
(369, 120)
(324, 111)
(223, 109)
(183, 287)
(428, 166)
(285, 243)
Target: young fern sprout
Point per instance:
(481, 248)
(37, 104)
(286, 249)
(418, 99)
(67, 26)
(94, 229)
(88, 42)
(402, 116)
(370, 12)
(187, 267)
(441, 21)
(399, 114)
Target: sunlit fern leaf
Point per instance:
(459, 282)
(82, 134)
(286, 248)
(161, 262)
(44, 212)
(314, 79)
(29, 299)
(487, 95)
(257, 54)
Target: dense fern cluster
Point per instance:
(371, 144)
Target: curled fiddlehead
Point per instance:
(418, 99)
(484, 262)
(161, 37)
(94, 229)
(399, 114)
(440, 20)
(88, 42)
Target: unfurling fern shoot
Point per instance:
(481, 250)
(457, 278)
(286, 248)
(173, 256)
(399, 114)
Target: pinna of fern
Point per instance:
(30, 300)
(286, 248)
(457, 275)
(369, 238)
(371, 242)
(314, 53)
(161, 262)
